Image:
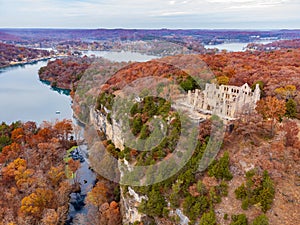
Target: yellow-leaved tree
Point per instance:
(37, 202)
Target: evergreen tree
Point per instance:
(261, 220)
(291, 108)
(189, 84)
(240, 219)
(220, 169)
(155, 205)
(208, 218)
(267, 193)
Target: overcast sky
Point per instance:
(244, 14)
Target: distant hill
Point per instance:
(175, 35)
(282, 44)
(12, 54)
(8, 37)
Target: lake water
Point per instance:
(24, 97)
(234, 46)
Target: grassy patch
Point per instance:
(69, 174)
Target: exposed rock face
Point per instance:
(131, 200)
(184, 220)
(112, 130)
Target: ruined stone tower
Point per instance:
(225, 101)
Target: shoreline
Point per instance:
(32, 61)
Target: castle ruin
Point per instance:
(225, 101)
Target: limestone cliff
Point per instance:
(112, 130)
(130, 200)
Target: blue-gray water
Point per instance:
(235, 46)
(23, 97)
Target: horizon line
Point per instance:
(162, 28)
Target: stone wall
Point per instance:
(225, 101)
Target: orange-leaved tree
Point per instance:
(271, 109)
(97, 196)
(10, 152)
(73, 166)
(63, 129)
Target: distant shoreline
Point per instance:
(32, 61)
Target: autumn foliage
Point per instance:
(282, 44)
(65, 73)
(271, 108)
(275, 69)
(12, 53)
(136, 71)
(102, 205)
(33, 184)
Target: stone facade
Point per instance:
(225, 101)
